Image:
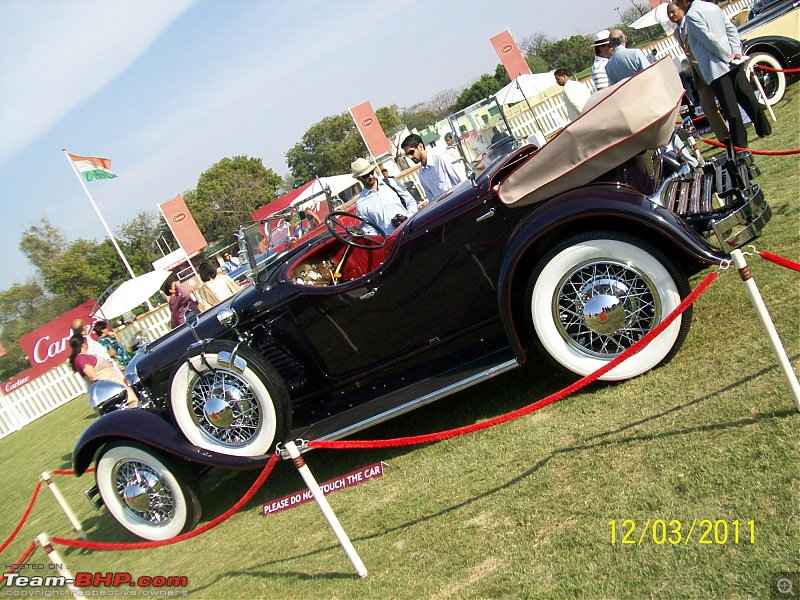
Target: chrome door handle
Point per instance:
(488, 215)
(369, 294)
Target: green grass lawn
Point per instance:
(524, 509)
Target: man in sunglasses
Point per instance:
(436, 170)
(385, 202)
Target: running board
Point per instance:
(396, 403)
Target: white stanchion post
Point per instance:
(769, 327)
(76, 524)
(326, 509)
(757, 81)
(58, 564)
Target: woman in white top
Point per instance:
(216, 286)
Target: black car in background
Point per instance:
(771, 38)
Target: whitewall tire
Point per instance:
(238, 409)
(148, 495)
(774, 83)
(594, 295)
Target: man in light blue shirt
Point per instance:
(437, 173)
(385, 202)
(624, 62)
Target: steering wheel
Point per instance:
(354, 235)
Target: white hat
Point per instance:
(361, 166)
(601, 38)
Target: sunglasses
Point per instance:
(411, 151)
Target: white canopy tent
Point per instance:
(132, 293)
(526, 87)
(657, 16)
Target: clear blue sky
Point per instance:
(166, 88)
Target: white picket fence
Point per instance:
(38, 397)
(61, 384)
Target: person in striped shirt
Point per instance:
(602, 52)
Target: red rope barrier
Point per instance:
(759, 152)
(581, 383)
(184, 536)
(70, 472)
(766, 68)
(19, 561)
(779, 260)
(24, 517)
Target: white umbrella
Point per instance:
(657, 16)
(525, 87)
(132, 293)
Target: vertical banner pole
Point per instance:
(326, 509)
(769, 327)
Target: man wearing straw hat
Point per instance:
(602, 52)
(385, 202)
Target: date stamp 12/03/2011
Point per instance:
(675, 532)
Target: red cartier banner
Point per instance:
(182, 224)
(367, 122)
(47, 347)
(362, 475)
(510, 55)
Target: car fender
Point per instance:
(151, 429)
(785, 50)
(603, 207)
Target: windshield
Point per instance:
(483, 134)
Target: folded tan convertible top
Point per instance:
(636, 114)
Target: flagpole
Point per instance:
(102, 220)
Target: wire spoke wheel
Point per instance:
(241, 416)
(617, 283)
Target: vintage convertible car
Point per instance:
(772, 39)
(571, 251)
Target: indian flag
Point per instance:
(92, 168)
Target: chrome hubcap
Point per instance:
(144, 493)
(224, 408)
(605, 306)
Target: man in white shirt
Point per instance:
(437, 173)
(575, 94)
(384, 202)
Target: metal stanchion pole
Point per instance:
(326, 509)
(769, 327)
(76, 524)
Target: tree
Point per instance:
(138, 239)
(573, 54)
(75, 271)
(228, 192)
(23, 308)
(326, 148)
(42, 243)
(84, 270)
(486, 86)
